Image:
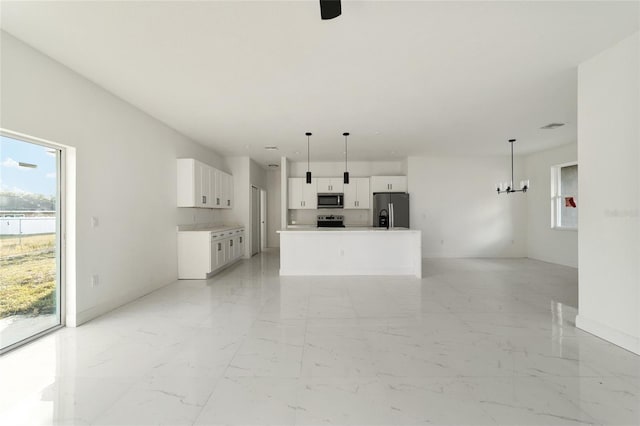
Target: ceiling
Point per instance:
(405, 78)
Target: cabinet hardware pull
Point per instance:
(204, 199)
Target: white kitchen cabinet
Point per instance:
(217, 253)
(217, 191)
(223, 193)
(388, 184)
(330, 185)
(302, 195)
(357, 194)
(202, 253)
(194, 187)
(200, 185)
(227, 191)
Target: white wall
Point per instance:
(455, 205)
(609, 193)
(125, 176)
(356, 168)
(273, 207)
(544, 243)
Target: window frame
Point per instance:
(557, 197)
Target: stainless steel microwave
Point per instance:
(330, 201)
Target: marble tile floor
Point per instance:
(475, 342)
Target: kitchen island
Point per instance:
(351, 251)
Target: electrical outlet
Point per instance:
(95, 280)
(95, 222)
(341, 252)
(441, 241)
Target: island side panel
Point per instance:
(351, 253)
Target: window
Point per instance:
(564, 196)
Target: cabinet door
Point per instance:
(329, 185)
(219, 253)
(198, 189)
(323, 185)
(364, 193)
(351, 194)
(397, 183)
(228, 185)
(337, 185)
(214, 254)
(229, 250)
(187, 182)
(216, 195)
(225, 189)
(241, 245)
(294, 193)
(309, 194)
(388, 184)
(205, 178)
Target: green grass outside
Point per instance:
(27, 275)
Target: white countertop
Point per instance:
(347, 229)
(207, 227)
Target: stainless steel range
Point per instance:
(330, 221)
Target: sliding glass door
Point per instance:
(30, 218)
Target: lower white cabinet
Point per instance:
(202, 253)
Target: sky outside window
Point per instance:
(14, 178)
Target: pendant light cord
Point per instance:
(308, 163)
(512, 166)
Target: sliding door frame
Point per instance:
(61, 232)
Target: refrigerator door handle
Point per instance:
(393, 216)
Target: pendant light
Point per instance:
(308, 168)
(508, 187)
(346, 172)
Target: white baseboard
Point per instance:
(108, 306)
(619, 338)
(350, 272)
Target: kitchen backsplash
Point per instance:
(351, 217)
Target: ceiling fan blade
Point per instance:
(330, 9)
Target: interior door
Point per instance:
(255, 220)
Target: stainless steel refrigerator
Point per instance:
(396, 207)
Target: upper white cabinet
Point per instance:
(226, 190)
(200, 185)
(389, 184)
(330, 185)
(301, 194)
(357, 194)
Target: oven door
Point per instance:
(330, 201)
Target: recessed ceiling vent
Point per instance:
(552, 126)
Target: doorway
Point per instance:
(263, 220)
(31, 288)
(255, 220)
